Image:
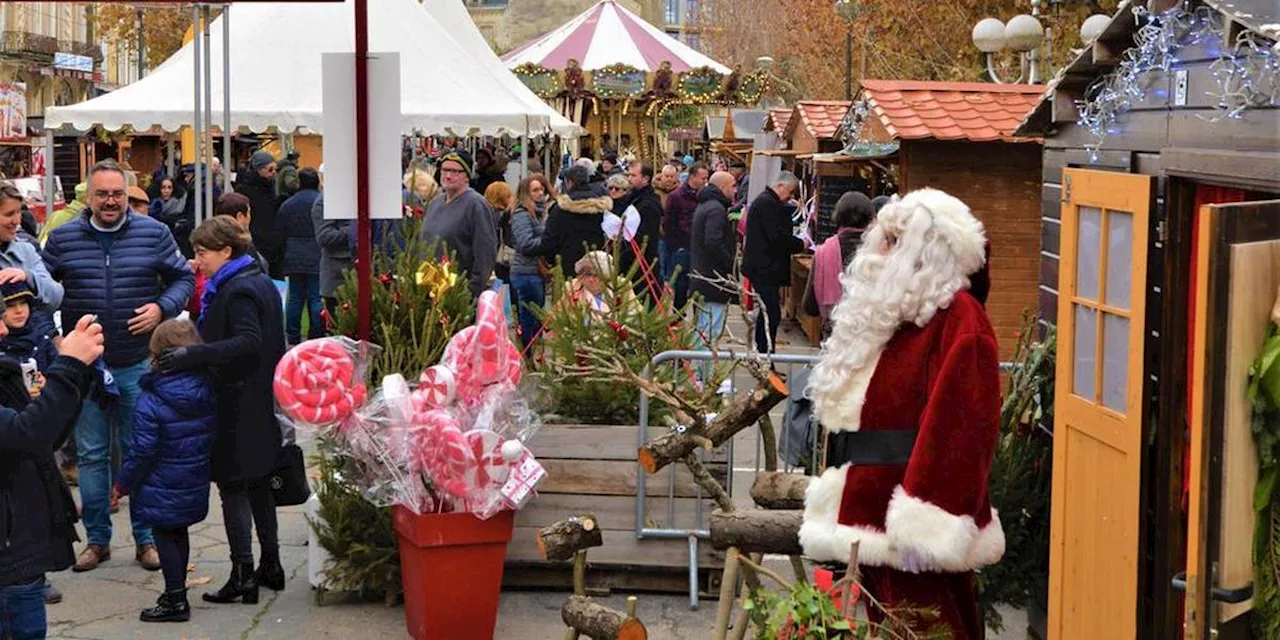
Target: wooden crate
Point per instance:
(593, 468)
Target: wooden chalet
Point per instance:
(1160, 260)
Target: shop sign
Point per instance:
(72, 62)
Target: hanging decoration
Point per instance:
(618, 81)
(542, 81)
(699, 86)
(853, 135)
(1247, 74)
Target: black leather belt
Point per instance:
(870, 447)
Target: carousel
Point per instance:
(615, 74)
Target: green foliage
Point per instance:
(1264, 396)
(681, 116)
(1021, 475)
(363, 555)
(413, 329)
(806, 612)
(581, 347)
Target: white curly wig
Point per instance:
(934, 243)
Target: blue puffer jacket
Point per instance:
(142, 266)
(301, 252)
(170, 463)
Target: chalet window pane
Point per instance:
(1084, 353)
(1089, 253)
(1119, 258)
(1115, 361)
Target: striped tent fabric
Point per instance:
(608, 34)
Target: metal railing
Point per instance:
(700, 529)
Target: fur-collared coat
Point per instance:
(573, 227)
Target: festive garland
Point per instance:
(542, 81)
(1248, 74)
(618, 81)
(699, 86)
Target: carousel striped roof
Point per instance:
(607, 34)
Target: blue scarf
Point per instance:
(224, 273)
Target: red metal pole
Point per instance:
(364, 248)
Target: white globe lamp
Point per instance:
(1023, 33)
(1093, 27)
(988, 35)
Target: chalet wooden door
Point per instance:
(1097, 443)
(1237, 275)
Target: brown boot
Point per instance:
(91, 557)
(148, 557)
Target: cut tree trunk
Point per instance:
(561, 540)
(599, 622)
(776, 490)
(757, 531)
(743, 412)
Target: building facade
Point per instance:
(50, 48)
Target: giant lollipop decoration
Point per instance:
(482, 355)
(316, 383)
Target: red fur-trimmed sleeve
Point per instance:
(941, 510)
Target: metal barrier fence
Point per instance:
(700, 529)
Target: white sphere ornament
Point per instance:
(1093, 27)
(511, 450)
(988, 35)
(1023, 33)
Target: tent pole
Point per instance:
(364, 243)
(50, 186)
(207, 158)
(227, 134)
(524, 150)
(197, 131)
(171, 163)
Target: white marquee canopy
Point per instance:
(446, 87)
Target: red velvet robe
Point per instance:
(942, 379)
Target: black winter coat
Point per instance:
(712, 245)
(767, 249)
(243, 332)
(573, 227)
(263, 225)
(301, 251)
(649, 205)
(37, 512)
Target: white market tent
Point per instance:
(276, 76)
(453, 16)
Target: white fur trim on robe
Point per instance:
(824, 539)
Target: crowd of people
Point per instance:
(168, 359)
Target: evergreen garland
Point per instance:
(1021, 477)
(1264, 397)
(413, 327)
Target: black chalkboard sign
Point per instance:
(830, 188)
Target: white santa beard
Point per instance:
(882, 292)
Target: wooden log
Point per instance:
(776, 490)
(562, 540)
(757, 531)
(599, 622)
(743, 412)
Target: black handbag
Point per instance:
(289, 483)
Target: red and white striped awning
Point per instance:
(608, 34)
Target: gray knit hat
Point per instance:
(260, 159)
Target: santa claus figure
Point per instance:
(908, 388)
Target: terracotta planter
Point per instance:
(451, 567)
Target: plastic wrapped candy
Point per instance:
(444, 453)
(483, 354)
(321, 382)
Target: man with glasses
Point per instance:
(124, 269)
(459, 221)
(259, 185)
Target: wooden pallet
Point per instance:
(593, 469)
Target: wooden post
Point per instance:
(728, 584)
(562, 540)
(757, 530)
(741, 413)
(776, 490)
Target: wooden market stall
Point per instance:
(615, 74)
(1160, 261)
(953, 136)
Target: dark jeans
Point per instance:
(304, 292)
(22, 614)
(246, 505)
(770, 297)
(673, 260)
(174, 547)
(531, 291)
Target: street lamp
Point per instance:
(848, 11)
(1025, 35)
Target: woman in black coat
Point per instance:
(242, 324)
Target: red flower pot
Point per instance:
(451, 568)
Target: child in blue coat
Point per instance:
(169, 466)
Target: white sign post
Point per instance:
(338, 81)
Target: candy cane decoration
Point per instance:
(315, 383)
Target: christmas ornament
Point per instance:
(437, 278)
